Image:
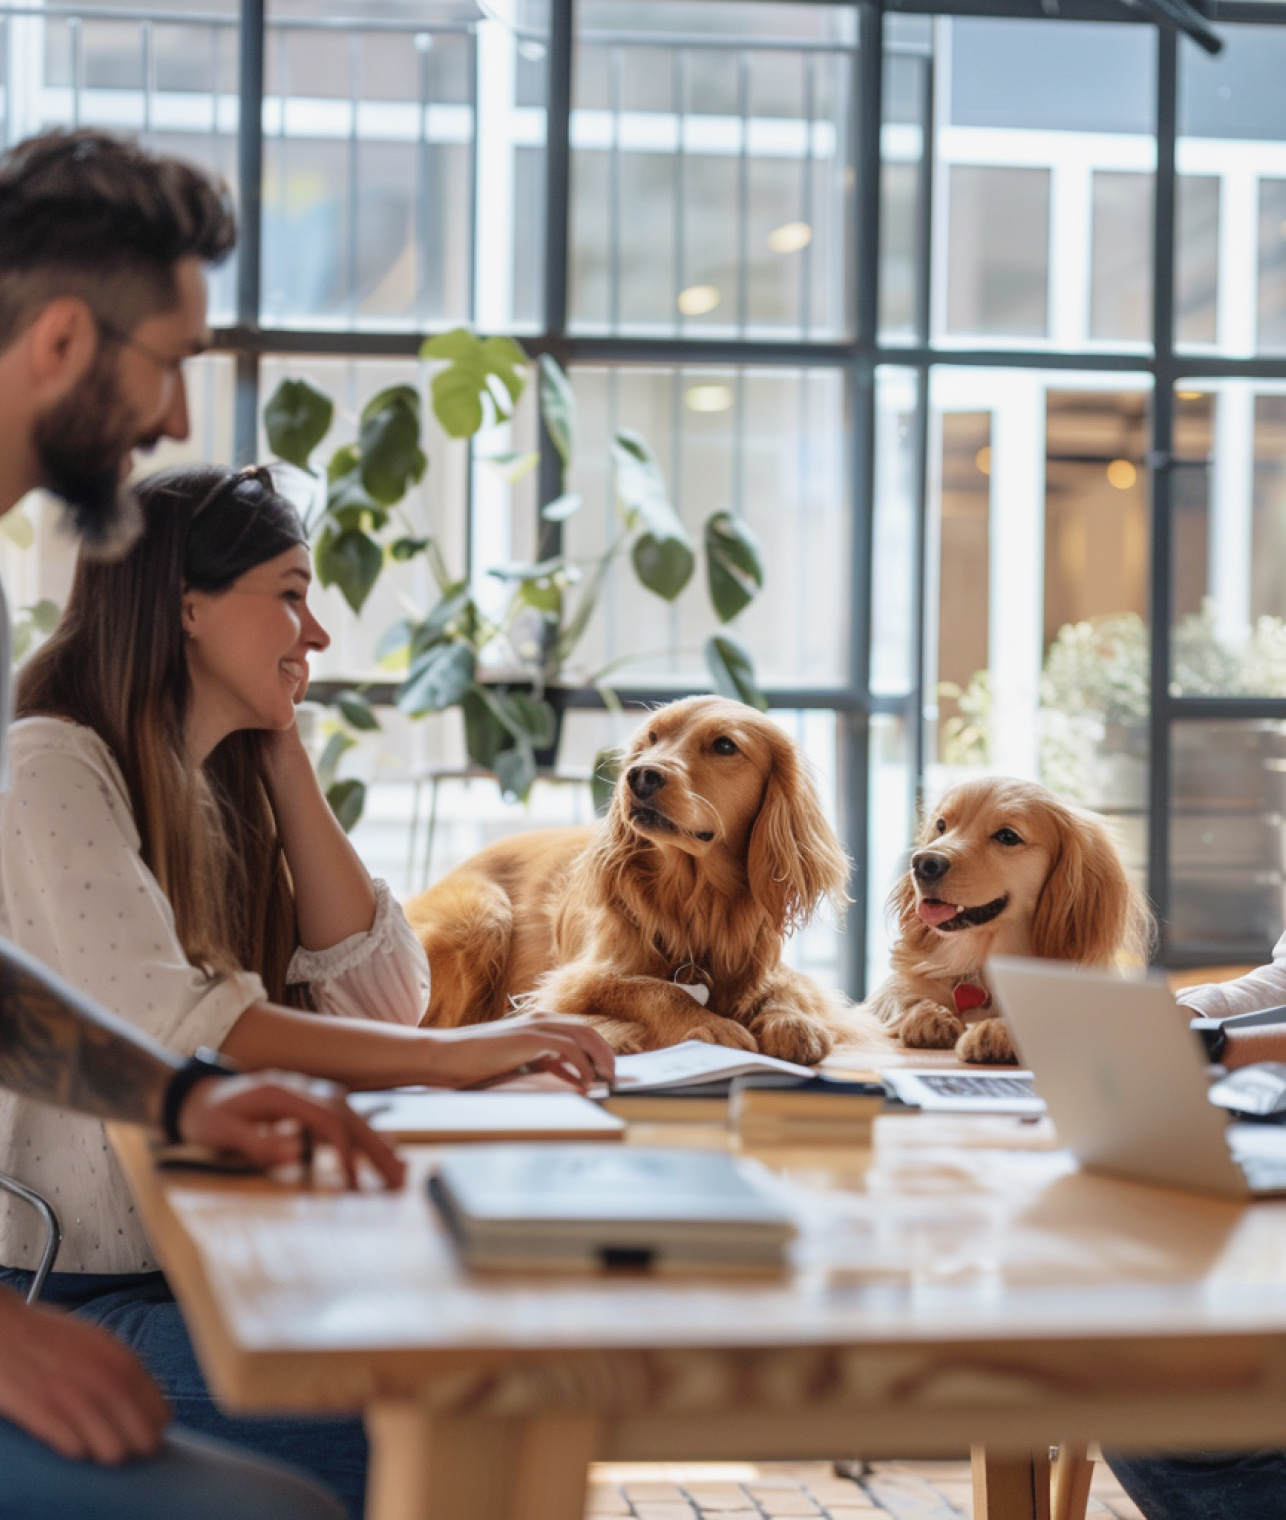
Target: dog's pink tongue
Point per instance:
(933, 912)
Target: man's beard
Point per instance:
(81, 443)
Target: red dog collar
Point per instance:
(968, 996)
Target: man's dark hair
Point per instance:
(91, 215)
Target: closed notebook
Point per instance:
(578, 1207)
(431, 1115)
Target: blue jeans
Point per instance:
(140, 1310)
(188, 1479)
(1205, 1485)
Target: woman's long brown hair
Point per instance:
(116, 664)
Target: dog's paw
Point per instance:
(626, 1039)
(930, 1026)
(987, 1044)
(792, 1036)
(719, 1031)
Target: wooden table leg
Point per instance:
(1010, 1488)
(1073, 1474)
(424, 1468)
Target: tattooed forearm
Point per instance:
(58, 1047)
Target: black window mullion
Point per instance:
(245, 431)
(1161, 584)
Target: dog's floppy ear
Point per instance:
(794, 858)
(1088, 910)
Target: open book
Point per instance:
(698, 1069)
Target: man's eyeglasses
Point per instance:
(170, 363)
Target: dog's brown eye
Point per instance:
(941, 826)
(1007, 836)
(651, 738)
(724, 746)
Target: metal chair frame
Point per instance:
(53, 1230)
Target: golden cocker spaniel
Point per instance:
(665, 921)
(1001, 867)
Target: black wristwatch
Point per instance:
(1213, 1036)
(205, 1063)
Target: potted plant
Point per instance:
(498, 668)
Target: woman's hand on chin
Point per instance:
(482, 1054)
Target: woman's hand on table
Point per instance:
(75, 1387)
(273, 1118)
(480, 1054)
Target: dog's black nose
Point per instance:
(645, 782)
(927, 867)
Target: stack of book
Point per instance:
(822, 1111)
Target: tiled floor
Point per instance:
(792, 1490)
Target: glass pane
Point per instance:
(766, 445)
(894, 538)
(892, 827)
(1229, 535)
(1272, 266)
(903, 185)
(1121, 266)
(709, 169)
(1233, 134)
(172, 83)
(1043, 233)
(998, 279)
(1226, 858)
(368, 174)
(1069, 77)
(1036, 624)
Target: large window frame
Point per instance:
(855, 704)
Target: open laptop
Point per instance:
(1126, 1082)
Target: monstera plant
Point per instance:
(496, 666)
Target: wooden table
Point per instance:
(961, 1284)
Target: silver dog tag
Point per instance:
(697, 991)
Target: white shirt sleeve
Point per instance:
(78, 896)
(382, 974)
(1264, 987)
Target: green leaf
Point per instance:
(558, 408)
(527, 718)
(734, 569)
(603, 778)
(562, 507)
(337, 746)
(733, 671)
(513, 465)
(44, 615)
(515, 771)
(296, 419)
(455, 607)
(347, 799)
(393, 395)
(392, 460)
(543, 595)
(394, 641)
(477, 369)
(357, 711)
(663, 565)
(524, 570)
(350, 560)
(662, 552)
(438, 680)
(484, 734)
(403, 549)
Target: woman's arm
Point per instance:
(334, 898)
(365, 1055)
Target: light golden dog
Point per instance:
(665, 922)
(1001, 867)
